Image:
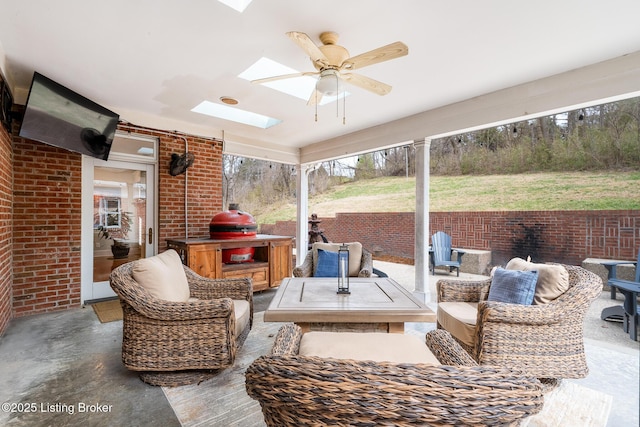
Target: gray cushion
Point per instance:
(513, 286)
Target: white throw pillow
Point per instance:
(163, 276)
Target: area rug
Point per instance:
(223, 401)
(108, 311)
(572, 405)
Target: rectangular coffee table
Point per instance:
(375, 304)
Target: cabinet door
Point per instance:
(206, 260)
(280, 261)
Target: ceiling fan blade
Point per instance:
(367, 83)
(284, 76)
(381, 54)
(310, 48)
(315, 98)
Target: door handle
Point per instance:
(150, 239)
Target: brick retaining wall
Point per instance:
(547, 236)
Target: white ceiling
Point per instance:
(153, 61)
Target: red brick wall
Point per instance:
(46, 227)
(6, 269)
(203, 184)
(558, 236)
(47, 206)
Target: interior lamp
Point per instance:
(343, 269)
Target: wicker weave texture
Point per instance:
(172, 341)
(295, 390)
(543, 340)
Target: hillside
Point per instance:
(540, 191)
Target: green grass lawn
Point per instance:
(541, 191)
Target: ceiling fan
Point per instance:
(333, 64)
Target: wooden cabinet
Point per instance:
(272, 260)
(280, 256)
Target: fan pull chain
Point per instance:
(316, 95)
(337, 99)
(344, 108)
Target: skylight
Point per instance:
(301, 87)
(235, 114)
(239, 5)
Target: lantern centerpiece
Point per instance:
(343, 269)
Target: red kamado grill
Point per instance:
(234, 224)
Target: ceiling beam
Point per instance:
(245, 147)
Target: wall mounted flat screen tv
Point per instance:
(58, 116)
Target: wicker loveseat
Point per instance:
(175, 343)
(360, 260)
(544, 340)
(297, 390)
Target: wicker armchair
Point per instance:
(296, 390)
(177, 343)
(543, 340)
(307, 268)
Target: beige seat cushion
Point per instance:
(355, 254)
(553, 280)
(459, 319)
(379, 347)
(163, 276)
(242, 313)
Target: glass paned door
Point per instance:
(119, 218)
(118, 225)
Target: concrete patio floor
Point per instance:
(63, 362)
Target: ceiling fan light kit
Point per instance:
(331, 59)
(328, 83)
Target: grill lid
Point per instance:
(233, 220)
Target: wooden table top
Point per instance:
(374, 299)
